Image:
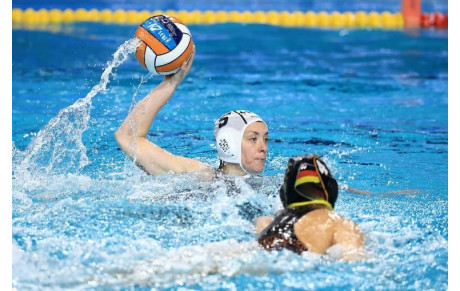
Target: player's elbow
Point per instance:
(122, 137)
(119, 135)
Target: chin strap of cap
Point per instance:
(324, 202)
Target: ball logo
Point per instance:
(163, 20)
(153, 26)
(157, 29)
(164, 37)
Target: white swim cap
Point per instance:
(228, 131)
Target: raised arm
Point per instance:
(131, 136)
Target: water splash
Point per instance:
(58, 147)
(202, 264)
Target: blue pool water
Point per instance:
(372, 103)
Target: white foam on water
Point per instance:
(129, 257)
(207, 263)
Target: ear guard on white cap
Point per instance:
(227, 146)
(229, 130)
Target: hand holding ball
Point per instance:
(166, 43)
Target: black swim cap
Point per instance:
(307, 178)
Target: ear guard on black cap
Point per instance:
(307, 178)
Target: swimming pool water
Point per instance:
(372, 103)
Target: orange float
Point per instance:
(411, 10)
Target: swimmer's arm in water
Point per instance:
(363, 192)
(355, 191)
(131, 136)
(262, 222)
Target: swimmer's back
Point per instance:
(322, 228)
(315, 231)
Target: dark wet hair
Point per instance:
(307, 178)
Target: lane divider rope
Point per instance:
(360, 19)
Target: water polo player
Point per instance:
(241, 136)
(308, 222)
